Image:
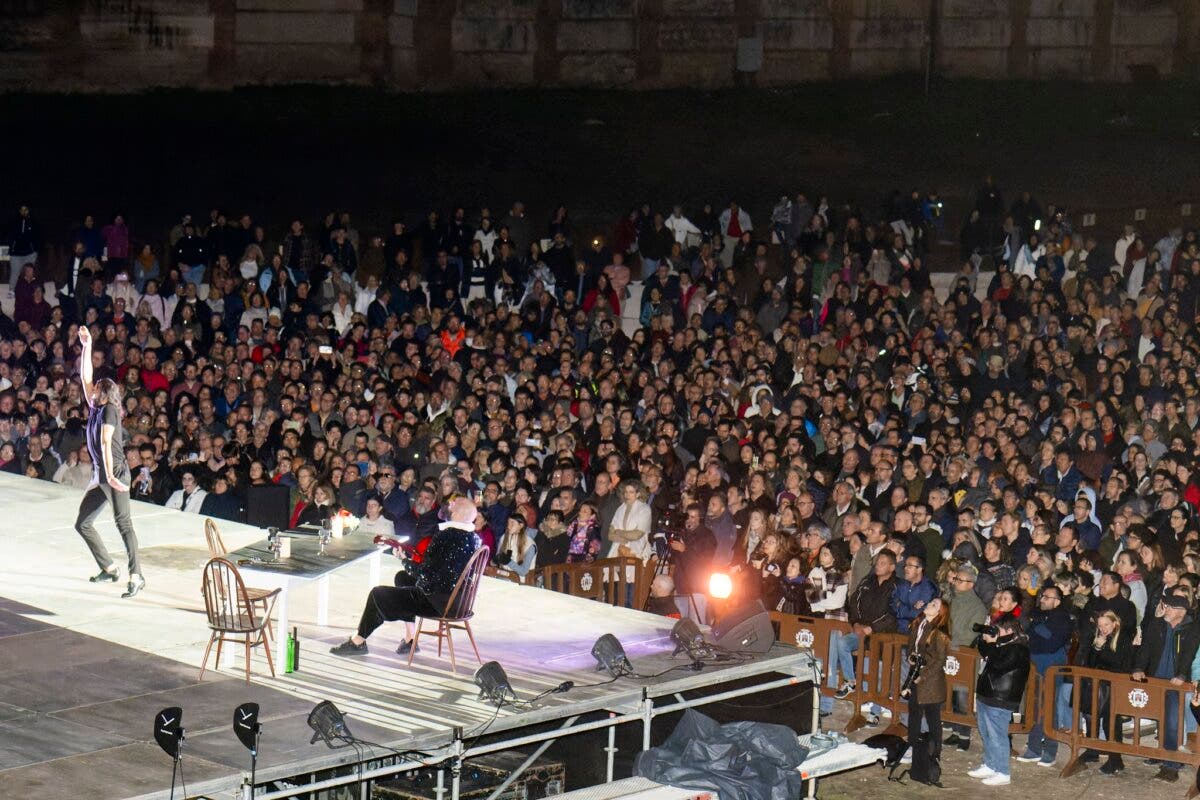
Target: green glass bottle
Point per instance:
(293, 652)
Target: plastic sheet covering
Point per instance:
(739, 760)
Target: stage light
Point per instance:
(329, 725)
(493, 683)
(686, 635)
(720, 586)
(610, 655)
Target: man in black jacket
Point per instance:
(869, 609)
(24, 242)
(423, 591)
(1108, 599)
(998, 692)
(1050, 626)
(1168, 648)
(692, 554)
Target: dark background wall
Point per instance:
(129, 45)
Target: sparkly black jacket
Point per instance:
(444, 561)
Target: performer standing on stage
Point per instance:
(424, 594)
(110, 473)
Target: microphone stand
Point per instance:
(177, 765)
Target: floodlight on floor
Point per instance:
(493, 684)
(610, 656)
(329, 726)
(686, 635)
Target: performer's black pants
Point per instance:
(404, 601)
(90, 508)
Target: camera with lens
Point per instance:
(985, 630)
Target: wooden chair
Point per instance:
(459, 610)
(217, 549)
(233, 616)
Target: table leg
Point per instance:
(375, 566)
(323, 600)
(282, 631)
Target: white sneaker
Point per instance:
(907, 757)
(982, 771)
(997, 779)
(886, 712)
(865, 708)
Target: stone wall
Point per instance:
(122, 45)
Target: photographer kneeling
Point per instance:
(998, 694)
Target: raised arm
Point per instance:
(85, 363)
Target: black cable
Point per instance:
(481, 730)
(394, 751)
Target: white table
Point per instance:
(305, 565)
(843, 758)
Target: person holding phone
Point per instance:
(110, 473)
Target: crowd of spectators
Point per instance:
(791, 402)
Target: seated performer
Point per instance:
(423, 592)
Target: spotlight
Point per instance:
(493, 683)
(720, 586)
(688, 639)
(329, 725)
(686, 635)
(610, 655)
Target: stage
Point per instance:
(82, 672)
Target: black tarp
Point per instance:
(739, 760)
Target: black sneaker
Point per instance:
(406, 646)
(1090, 757)
(349, 648)
(964, 744)
(952, 740)
(844, 691)
(134, 586)
(106, 577)
(1113, 765)
(1167, 774)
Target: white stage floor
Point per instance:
(540, 637)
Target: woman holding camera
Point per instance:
(925, 690)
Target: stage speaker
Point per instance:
(745, 629)
(267, 506)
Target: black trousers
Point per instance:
(924, 746)
(404, 601)
(93, 502)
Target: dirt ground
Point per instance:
(306, 150)
(1028, 780)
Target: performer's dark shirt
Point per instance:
(99, 416)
